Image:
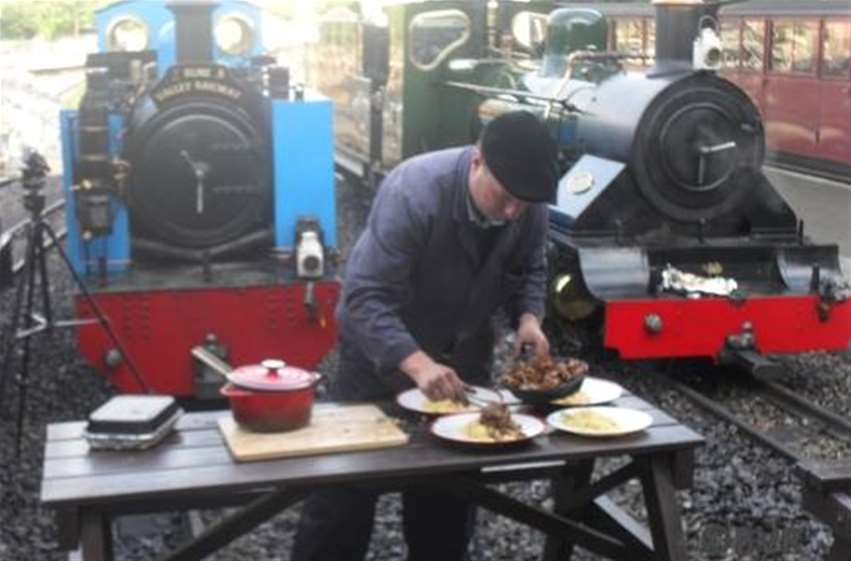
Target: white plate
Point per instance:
(415, 400)
(593, 391)
(453, 428)
(627, 420)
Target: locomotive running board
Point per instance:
(675, 326)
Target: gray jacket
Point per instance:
(422, 275)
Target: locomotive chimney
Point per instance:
(193, 30)
(678, 23)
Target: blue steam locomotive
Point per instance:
(200, 203)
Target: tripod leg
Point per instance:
(12, 329)
(23, 383)
(41, 259)
(104, 322)
(36, 257)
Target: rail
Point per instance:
(812, 415)
(18, 229)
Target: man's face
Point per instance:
(491, 198)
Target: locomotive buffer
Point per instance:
(25, 321)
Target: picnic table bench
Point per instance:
(826, 493)
(193, 469)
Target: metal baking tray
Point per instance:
(132, 422)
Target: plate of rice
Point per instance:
(469, 429)
(599, 421)
(593, 391)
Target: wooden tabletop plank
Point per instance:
(210, 450)
(210, 470)
(206, 419)
(202, 420)
(142, 462)
(202, 430)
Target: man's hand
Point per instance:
(437, 381)
(529, 333)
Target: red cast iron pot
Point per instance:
(271, 396)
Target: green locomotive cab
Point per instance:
(394, 79)
(571, 32)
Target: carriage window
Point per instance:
(753, 35)
(730, 42)
(434, 35)
(629, 39)
(650, 49)
(792, 46)
(836, 48)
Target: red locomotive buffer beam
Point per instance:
(159, 329)
(654, 328)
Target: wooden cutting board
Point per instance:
(332, 428)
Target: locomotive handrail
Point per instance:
(520, 94)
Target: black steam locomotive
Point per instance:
(668, 238)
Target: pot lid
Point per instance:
(272, 375)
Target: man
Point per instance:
(452, 237)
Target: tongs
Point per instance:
(472, 394)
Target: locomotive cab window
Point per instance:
(529, 29)
(127, 33)
(836, 49)
(793, 46)
(234, 34)
(435, 35)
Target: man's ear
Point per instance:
(478, 159)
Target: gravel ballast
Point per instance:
(744, 504)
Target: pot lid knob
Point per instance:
(273, 365)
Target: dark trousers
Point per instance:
(336, 525)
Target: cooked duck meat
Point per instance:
(497, 418)
(543, 373)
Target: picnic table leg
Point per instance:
(574, 476)
(663, 511)
(95, 535)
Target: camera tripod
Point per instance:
(25, 321)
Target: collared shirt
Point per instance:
(476, 216)
(424, 276)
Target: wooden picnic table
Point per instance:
(193, 469)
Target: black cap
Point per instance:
(521, 154)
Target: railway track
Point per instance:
(824, 492)
(811, 420)
(13, 239)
